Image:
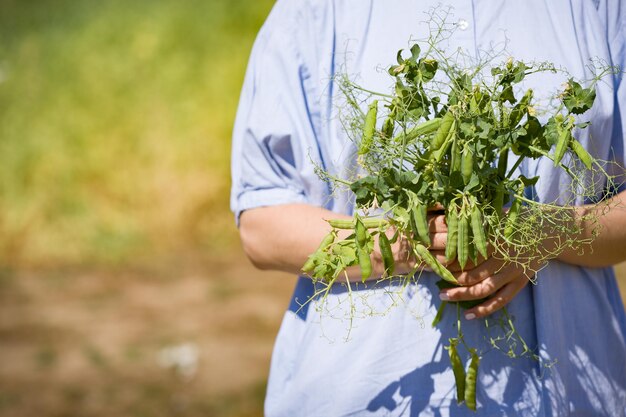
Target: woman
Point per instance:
(394, 364)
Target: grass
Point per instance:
(115, 123)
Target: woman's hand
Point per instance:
(491, 278)
(499, 281)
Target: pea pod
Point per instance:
(458, 369)
(452, 220)
(368, 128)
(581, 153)
(467, 164)
(362, 250)
(462, 241)
(455, 157)
(387, 129)
(472, 253)
(511, 218)
(478, 231)
(422, 129)
(386, 253)
(470, 381)
(437, 154)
(424, 254)
(420, 218)
(350, 224)
(565, 137)
(360, 232)
(439, 314)
(503, 160)
(326, 242)
(365, 263)
(443, 131)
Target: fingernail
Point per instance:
(444, 296)
(470, 316)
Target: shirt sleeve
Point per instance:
(273, 127)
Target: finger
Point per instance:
(436, 207)
(489, 267)
(499, 300)
(438, 241)
(437, 223)
(483, 289)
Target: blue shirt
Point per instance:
(394, 364)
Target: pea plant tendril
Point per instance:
(442, 140)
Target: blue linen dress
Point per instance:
(394, 364)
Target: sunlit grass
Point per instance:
(115, 121)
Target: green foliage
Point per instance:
(115, 122)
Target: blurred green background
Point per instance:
(123, 289)
(115, 120)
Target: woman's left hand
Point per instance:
(491, 278)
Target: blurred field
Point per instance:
(115, 120)
(123, 291)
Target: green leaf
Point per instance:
(415, 52)
(578, 99)
(428, 68)
(399, 57)
(473, 184)
(401, 216)
(551, 132)
(507, 94)
(346, 252)
(528, 181)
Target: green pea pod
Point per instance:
(326, 242)
(362, 250)
(581, 153)
(452, 220)
(455, 157)
(565, 137)
(503, 160)
(472, 253)
(387, 129)
(365, 263)
(350, 224)
(467, 164)
(498, 200)
(439, 314)
(511, 218)
(478, 231)
(360, 232)
(424, 254)
(459, 371)
(386, 253)
(420, 218)
(443, 131)
(470, 381)
(422, 129)
(462, 250)
(437, 154)
(369, 128)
